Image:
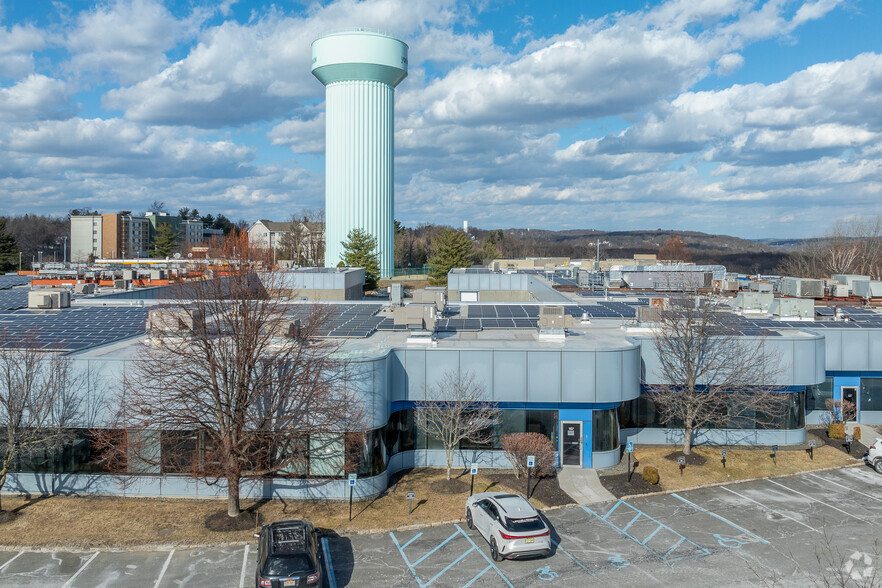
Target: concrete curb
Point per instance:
(413, 527)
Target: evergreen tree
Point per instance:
(488, 251)
(165, 242)
(360, 250)
(8, 249)
(450, 249)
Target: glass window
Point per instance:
(605, 428)
(545, 422)
(871, 394)
(816, 396)
(510, 421)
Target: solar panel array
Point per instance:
(13, 299)
(73, 329)
(350, 320)
(12, 280)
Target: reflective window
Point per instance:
(816, 397)
(605, 429)
(871, 394)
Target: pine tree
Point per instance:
(360, 250)
(165, 242)
(450, 249)
(8, 249)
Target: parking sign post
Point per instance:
(812, 450)
(682, 461)
(848, 440)
(410, 497)
(352, 478)
(629, 449)
(531, 461)
(472, 486)
(723, 454)
(775, 454)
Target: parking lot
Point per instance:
(755, 533)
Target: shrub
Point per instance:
(650, 474)
(836, 431)
(517, 446)
(857, 433)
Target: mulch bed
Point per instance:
(619, 486)
(858, 449)
(693, 459)
(220, 521)
(545, 489)
(451, 486)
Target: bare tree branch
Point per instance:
(458, 411)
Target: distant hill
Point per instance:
(737, 254)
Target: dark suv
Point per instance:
(288, 555)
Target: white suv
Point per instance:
(874, 455)
(510, 524)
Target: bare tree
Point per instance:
(38, 399)
(233, 384)
(852, 246)
(458, 411)
(712, 375)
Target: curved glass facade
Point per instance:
(641, 413)
(605, 430)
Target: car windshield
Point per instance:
(523, 525)
(288, 565)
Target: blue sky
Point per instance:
(748, 117)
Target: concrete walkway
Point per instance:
(583, 485)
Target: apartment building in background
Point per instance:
(126, 236)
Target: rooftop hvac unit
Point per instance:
(84, 288)
(417, 317)
(754, 301)
(39, 300)
(868, 288)
(648, 314)
(760, 287)
(849, 279)
(840, 291)
(793, 308)
(802, 288)
(177, 320)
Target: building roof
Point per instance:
(274, 226)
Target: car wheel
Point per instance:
(494, 552)
(877, 465)
(469, 522)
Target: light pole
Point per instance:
(598, 243)
(65, 251)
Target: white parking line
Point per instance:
(80, 571)
(244, 567)
(770, 509)
(823, 479)
(718, 517)
(821, 502)
(164, 568)
(3, 567)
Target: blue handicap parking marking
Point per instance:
(656, 537)
(413, 559)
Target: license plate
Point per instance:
(290, 582)
(530, 540)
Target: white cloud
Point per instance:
(17, 45)
(729, 63)
(122, 147)
(35, 97)
(260, 70)
(127, 38)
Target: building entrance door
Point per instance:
(849, 394)
(571, 443)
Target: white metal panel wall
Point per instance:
(359, 167)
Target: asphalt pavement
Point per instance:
(785, 532)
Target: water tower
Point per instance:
(360, 70)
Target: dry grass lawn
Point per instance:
(740, 464)
(122, 522)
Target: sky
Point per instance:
(754, 118)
